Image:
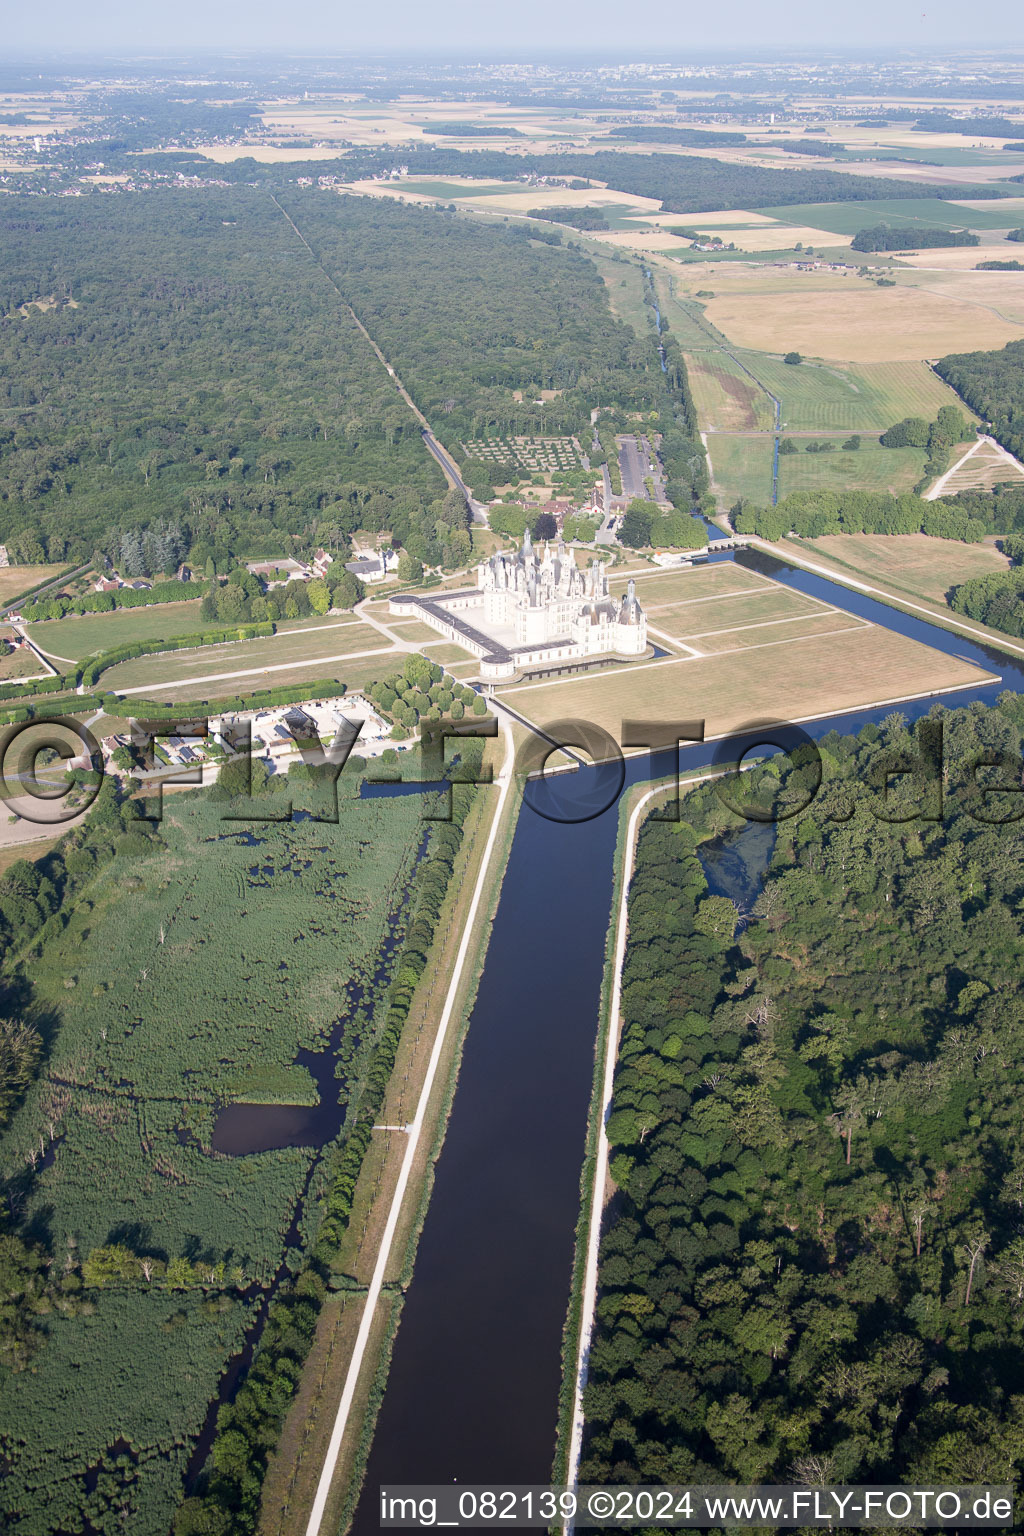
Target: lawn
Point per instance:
(413, 632)
(926, 212)
(443, 652)
(822, 625)
(73, 639)
(912, 562)
(262, 659)
(741, 466)
(789, 679)
(839, 397)
(872, 468)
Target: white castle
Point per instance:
(532, 610)
(543, 598)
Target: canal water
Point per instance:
(473, 1386)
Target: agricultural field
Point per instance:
(842, 664)
(73, 639)
(727, 399)
(860, 324)
(741, 466)
(911, 563)
(871, 468)
(926, 212)
(531, 455)
(264, 657)
(180, 972)
(857, 398)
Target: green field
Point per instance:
(741, 466)
(77, 638)
(927, 212)
(871, 469)
(865, 397)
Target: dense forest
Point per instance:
(472, 314)
(195, 367)
(992, 383)
(812, 514)
(195, 370)
(812, 1269)
(682, 183)
(882, 237)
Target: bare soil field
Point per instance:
(861, 325)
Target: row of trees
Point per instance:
(812, 514)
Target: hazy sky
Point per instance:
(527, 27)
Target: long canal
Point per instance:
(474, 1380)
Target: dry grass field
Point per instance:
(985, 467)
(254, 656)
(861, 324)
(728, 615)
(830, 670)
(725, 397)
(15, 579)
(663, 589)
(19, 663)
(911, 562)
(358, 673)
